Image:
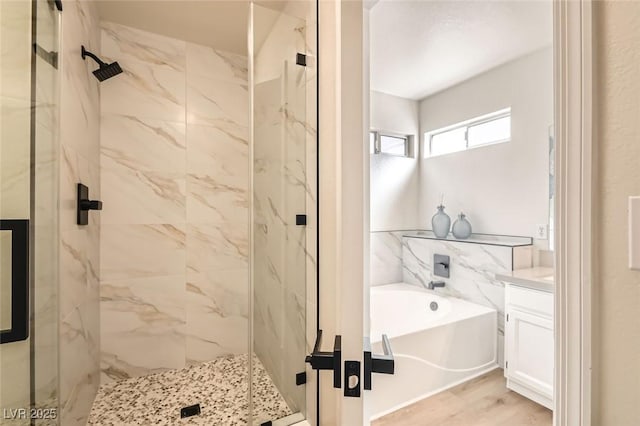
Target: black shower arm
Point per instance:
(86, 53)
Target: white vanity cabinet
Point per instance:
(529, 352)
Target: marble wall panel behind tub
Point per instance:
(385, 257)
(174, 166)
(472, 268)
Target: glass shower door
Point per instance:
(44, 212)
(283, 261)
(28, 212)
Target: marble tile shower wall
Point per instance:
(79, 250)
(174, 240)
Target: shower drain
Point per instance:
(191, 410)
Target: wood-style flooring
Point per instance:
(483, 401)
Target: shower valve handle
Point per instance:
(91, 204)
(85, 204)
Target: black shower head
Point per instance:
(106, 70)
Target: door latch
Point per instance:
(352, 379)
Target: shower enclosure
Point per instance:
(167, 282)
(284, 201)
(29, 71)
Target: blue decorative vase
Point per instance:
(461, 227)
(441, 223)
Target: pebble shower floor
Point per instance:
(219, 386)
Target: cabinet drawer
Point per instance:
(535, 301)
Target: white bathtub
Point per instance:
(433, 350)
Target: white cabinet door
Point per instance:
(530, 351)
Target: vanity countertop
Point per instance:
(538, 278)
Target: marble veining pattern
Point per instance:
(79, 247)
(385, 257)
(141, 144)
(218, 103)
(175, 178)
(147, 197)
(134, 45)
(283, 138)
(217, 313)
(142, 328)
(208, 62)
(219, 386)
(134, 251)
(473, 268)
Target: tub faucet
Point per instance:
(434, 284)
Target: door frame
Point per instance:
(343, 103)
(573, 81)
(343, 210)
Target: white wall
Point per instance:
(502, 188)
(394, 180)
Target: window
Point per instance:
(486, 130)
(390, 144)
(393, 145)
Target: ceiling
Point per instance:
(421, 47)
(221, 24)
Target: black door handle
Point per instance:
(327, 360)
(18, 230)
(384, 364)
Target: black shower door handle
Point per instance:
(327, 360)
(19, 329)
